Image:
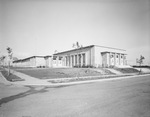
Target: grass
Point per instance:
(11, 77)
(54, 73)
(127, 70)
(15, 68)
(61, 72)
(85, 79)
(1, 69)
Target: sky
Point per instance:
(39, 27)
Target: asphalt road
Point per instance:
(119, 98)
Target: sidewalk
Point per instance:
(3, 80)
(28, 80)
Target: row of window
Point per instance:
(117, 56)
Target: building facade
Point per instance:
(33, 61)
(89, 56)
(92, 56)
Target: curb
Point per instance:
(83, 82)
(98, 80)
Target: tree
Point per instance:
(76, 45)
(10, 53)
(2, 58)
(55, 51)
(14, 58)
(140, 61)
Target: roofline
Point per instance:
(47, 56)
(90, 46)
(110, 47)
(114, 52)
(32, 57)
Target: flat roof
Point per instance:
(110, 47)
(113, 52)
(31, 57)
(90, 46)
(75, 49)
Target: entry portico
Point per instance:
(76, 57)
(93, 55)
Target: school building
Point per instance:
(89, 56)
(93, 55)
(33, 61)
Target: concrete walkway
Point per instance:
(3, 80)
(28, 80)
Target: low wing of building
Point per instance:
(33, 61)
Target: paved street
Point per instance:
(118, 98)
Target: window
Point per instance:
(60, 58)
(54, 57)
(112, 56)
(117, 56)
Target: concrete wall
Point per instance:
(98, 56)
(40, 61)
(31, 62)
(48, 61)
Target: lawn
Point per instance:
(11, 77)
(61, 72)
(127, 70)
(1, 69)
(22, 68)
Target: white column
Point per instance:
(70, 60)
(74, 60)
(108, 59)
(119, 59)
(81, 60)
(57, 61)
(65, 60)
(115, 59)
